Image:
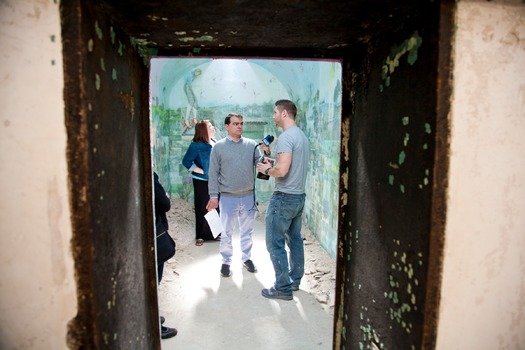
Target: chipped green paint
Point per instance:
(391, 180)
(393, 165)
(114, 74)
(401, 157)
(52, 62)
(370, 336)
(90, 108)
(146, 52)
(100, 35)
(207, 38)
(425, 146)
(102, 64)
(180, 33)
(402, 303)
(406, 139)
(405, 120)
(121, 47)
(97, 81)
(52, 37)
(112, 34)
(410, 47)
(428, 129)
(90, 45)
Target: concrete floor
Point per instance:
(211, 312)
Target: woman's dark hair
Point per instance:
(201, 132)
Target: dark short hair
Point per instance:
(228, 118)
(287, 105)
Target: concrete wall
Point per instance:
(37, 287)
(483, 292)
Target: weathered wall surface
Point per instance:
(37, 288)
(483, 295)
(392, 141)
(251, 87)
(106, 119)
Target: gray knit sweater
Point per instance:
(232, 167)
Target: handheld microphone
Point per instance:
(266, 141)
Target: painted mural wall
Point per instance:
(184, 91)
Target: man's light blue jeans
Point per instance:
(283, 226)
(241, 210)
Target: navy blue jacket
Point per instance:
(198, 153)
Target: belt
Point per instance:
(279, 193)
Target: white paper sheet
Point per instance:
(214, 221)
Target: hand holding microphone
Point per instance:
(265, 146)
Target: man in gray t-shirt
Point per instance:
(283, 215)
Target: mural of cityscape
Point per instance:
(184, 91)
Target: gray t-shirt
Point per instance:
(232, 167)
(294, 141)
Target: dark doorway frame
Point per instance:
(97, 238)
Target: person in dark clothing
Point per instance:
(197, 160)
(166, 249)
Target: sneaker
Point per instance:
(272, 293)
(249, 266)
(162, 319)
(295, 287)
(166, 332)
(225, 270)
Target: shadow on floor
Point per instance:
(215, 313)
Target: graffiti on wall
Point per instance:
(184, 91)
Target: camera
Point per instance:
(261, 175)
(267, 141)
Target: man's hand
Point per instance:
(213, 203)
(261, 167)
(266, 149)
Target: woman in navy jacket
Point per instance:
(197, 160)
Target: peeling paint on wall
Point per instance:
(409, 47)
(250, 87)
(98, 31)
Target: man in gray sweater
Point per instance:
(231, 178)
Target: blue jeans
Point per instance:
(283, 226)
(241, 210)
